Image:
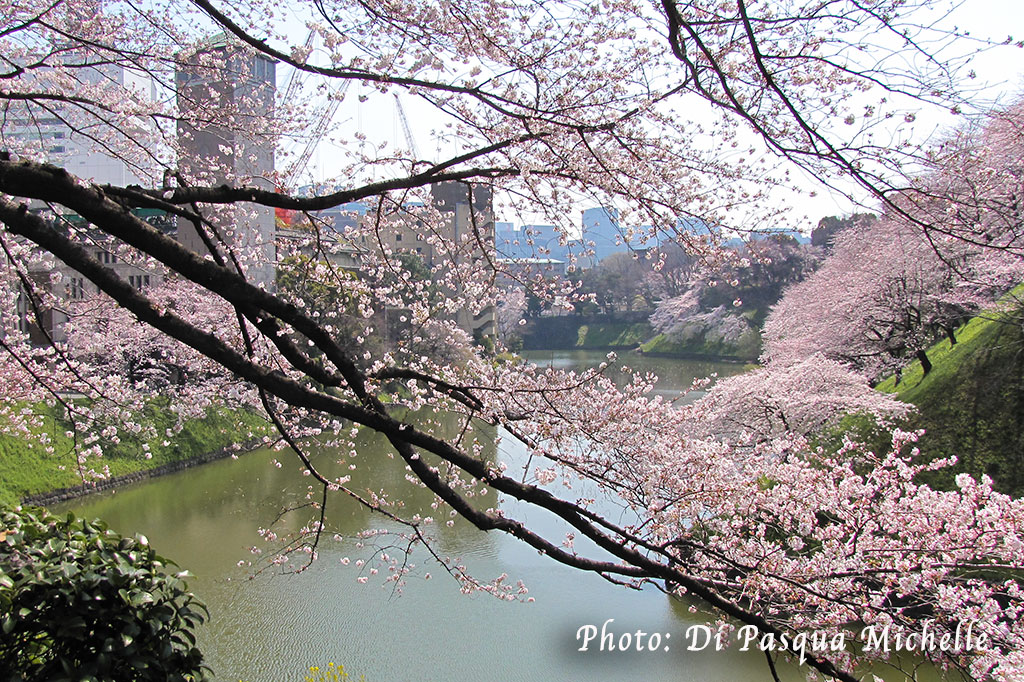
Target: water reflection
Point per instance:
(273, 627)
(674, 376)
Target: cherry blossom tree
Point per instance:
(511, 308)
(970, 190)
(729, 300)
(884, 296)
(802, 398)
(679, 110)
(683, 320)
(948, 249)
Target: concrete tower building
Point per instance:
(469, 215)
(226, 98)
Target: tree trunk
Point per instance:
(926, 364)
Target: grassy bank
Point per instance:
(573, 332)
(579, 333)
(971, 403)
(747, 348)
(613, 335)
(27, 469)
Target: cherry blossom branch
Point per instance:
(402, 436)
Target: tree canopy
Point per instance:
(673, 111)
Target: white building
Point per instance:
(88, 148)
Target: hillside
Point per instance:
(971, 403)
(569, 332)
(746, 349)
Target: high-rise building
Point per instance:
(226, 99)
(506, 240)
(544, 242)
(604, 234)
(601, 226)
(88, 147)
(468, 210)
(71, 136)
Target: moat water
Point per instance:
(273, 627)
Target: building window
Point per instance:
(398, 237)
(139, 282)
(22, 312)
(264, 70)
(77, 288)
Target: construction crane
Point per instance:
(322, 123)
(296, 79)
(405, 128)
(319, 130)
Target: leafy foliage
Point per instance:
(829, 226)
(79, 601)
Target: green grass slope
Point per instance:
(572, 332)
(27, 469)
(747, 348)
(612, 335)
(971, 403)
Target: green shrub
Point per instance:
(332, 673)
(80, 602)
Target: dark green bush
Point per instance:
(80, 602)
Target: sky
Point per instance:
(999, 81)
(1000, 78)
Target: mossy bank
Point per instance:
(28, 472)
(578, 332)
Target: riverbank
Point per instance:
(31, 474)
(578, 332)
(208, 518)
(746, 350)
(631, 332)
(66, 494)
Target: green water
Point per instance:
(274, 626)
